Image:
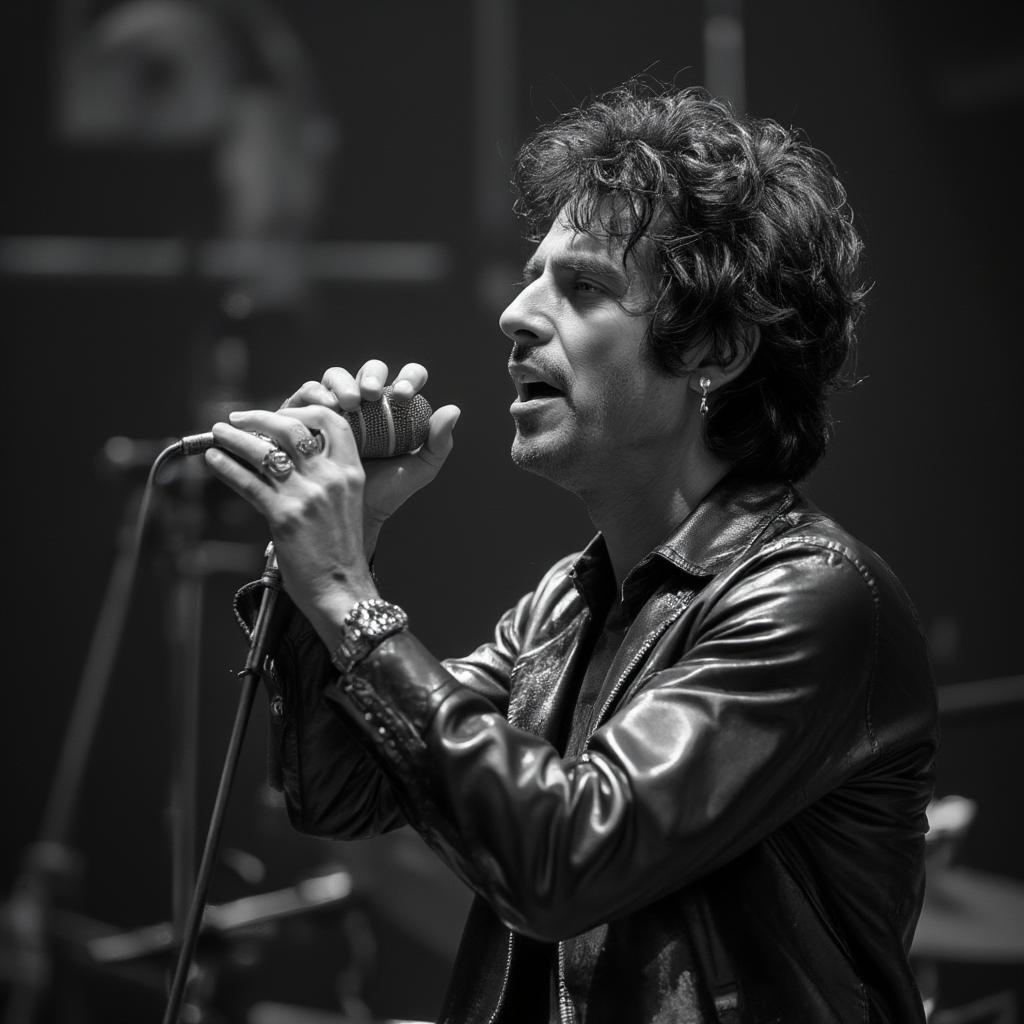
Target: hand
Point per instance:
(389, 482)
(313, 505)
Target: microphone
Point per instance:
(383, 429)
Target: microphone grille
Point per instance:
(392, 426)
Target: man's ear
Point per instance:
(746, 340)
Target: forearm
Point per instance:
(371, 536)
(332, 788)
(699, 761)
(301, 469)
(334, 785)
(547, 841)
(557, 844)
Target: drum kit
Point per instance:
(338, 920)
(968, 917)
(971, 917)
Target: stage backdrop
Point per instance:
(914, 103)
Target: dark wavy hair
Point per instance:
(743, 225)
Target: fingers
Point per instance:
(336, 469)
(340, 391)
(284, 431)
(323, 403)
(411, 379)
(371, 378)
(343, 387)
(313, 392)
(248, 485)
(243, 444)
(440, 439)
(250, 435)
(339, 441)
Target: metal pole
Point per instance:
(495, 132)
(724, 56)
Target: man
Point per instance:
(687, 778)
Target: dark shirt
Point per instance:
(533, 983)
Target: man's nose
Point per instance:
(524, 320)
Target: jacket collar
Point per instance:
(729, 519)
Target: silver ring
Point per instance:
(311, 444)
(276, 463)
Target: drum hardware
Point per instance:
(968, 917)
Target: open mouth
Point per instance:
(529, 390)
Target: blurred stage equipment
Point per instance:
(229, 75)
(724, 52)
(968, 916)
(495, 136)
(971, 917)
(325, 892)
(236, 932)
(981, 695)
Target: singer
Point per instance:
(687, 777)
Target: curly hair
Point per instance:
(746, 226)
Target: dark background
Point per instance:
(920, 106)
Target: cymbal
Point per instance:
(286, 1013)
(405, 883)
(971, 917)
(326, 892)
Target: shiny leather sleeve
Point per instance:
(332, 787)
(315, 757)
(772, 689)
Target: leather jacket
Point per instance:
(736, 832)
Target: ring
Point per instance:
(311, 444)
(277, 464)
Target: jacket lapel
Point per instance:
(542, 680)
(640, 640)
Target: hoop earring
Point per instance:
(705, 388)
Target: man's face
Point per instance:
(587, 397)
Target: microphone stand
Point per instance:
(260, 646)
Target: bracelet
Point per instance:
(367, 624)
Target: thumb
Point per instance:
(440, 440)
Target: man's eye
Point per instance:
(587, 286)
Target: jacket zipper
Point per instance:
(642, 652)
(504, 981)
(566, 1013)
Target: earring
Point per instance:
(705, 387)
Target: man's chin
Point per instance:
(543, 456)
